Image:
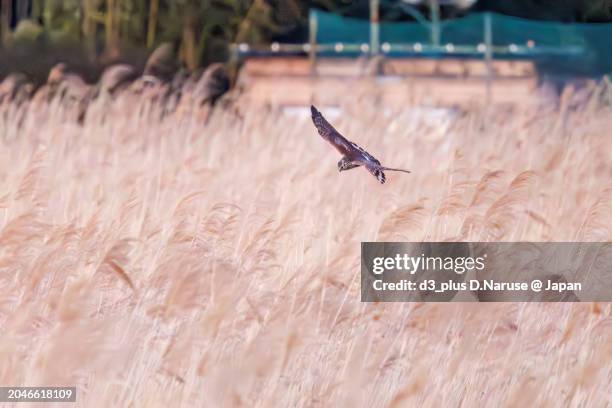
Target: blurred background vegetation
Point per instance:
(90, 34)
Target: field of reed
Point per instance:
(154, 260)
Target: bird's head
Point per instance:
(343, 164)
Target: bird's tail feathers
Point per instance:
(392, 169)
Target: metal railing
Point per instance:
(528, 50)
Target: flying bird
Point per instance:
(352, 155)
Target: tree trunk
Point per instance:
(189, 48)
(88, 28)
(37, 10)
(112, 49)
(152, 26)
(5, 20)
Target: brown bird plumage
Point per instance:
(352, 154)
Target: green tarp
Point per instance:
(578, 48)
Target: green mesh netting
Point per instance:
(574, 48)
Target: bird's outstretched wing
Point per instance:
(347, 148)
(329, 133)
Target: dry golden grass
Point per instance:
(163, 263)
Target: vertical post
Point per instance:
(374, 27)
(312, 50)
(434, 15)
(488, 39)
